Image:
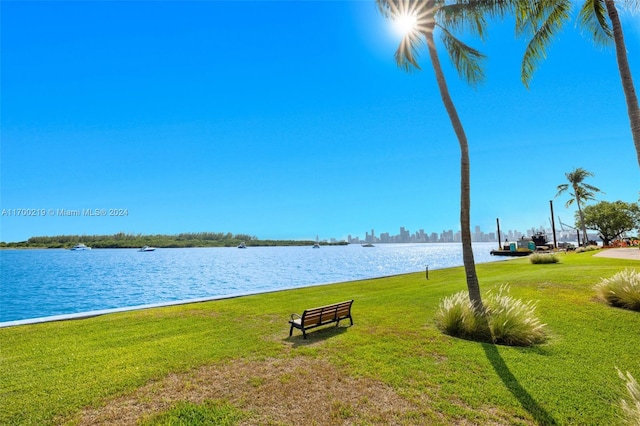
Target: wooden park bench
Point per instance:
(323, 315)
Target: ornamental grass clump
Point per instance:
(456, 317)
(586, 248)
(542, 258)
(631, 408)
(621, 290)
(513, 322)
(507, 321)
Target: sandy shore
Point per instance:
(631, 253)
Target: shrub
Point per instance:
(587, 248)
(621, 290)
(508, 321)
(541, 258)
(631, 408)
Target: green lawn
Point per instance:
(50, 372)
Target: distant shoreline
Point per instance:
(183, 240)
(286, 244)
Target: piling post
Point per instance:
(553, 226)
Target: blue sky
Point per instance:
(287, 120)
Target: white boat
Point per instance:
(80, 247)
(242, 245)
(147, 248)
(316, 245)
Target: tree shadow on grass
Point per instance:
(540, 415)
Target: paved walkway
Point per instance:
(631, 253)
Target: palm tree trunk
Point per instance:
(625, 75)
(585, 240)
(465, 198)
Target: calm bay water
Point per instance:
(45, 283)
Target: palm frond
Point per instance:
(385, 8)
(581, 191)
(471, 15)
(451, 16)
(631, 5)
(528, 15)
(531, 15)
(545, 22)
(390, 9)
(562, 189)
(578, 175)
(594, 19)
(466, 60)
(583, 194)
(424, 17)
(591, 188)
(407, 54)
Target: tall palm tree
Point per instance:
(542, 20)
(448, 16)
(581, 192)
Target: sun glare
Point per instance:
(405, 23)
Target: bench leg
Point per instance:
(304, 333)
(291, 331)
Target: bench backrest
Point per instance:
(326, 313)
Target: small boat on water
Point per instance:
(242, 245)
(368, 245)
(316, 245)
(147, 248)
(80, 247)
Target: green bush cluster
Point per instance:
(507, 321)
(542, 258)
(621, 290)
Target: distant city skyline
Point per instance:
(449, 236)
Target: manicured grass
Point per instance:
(189, 414)
(50, 371)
